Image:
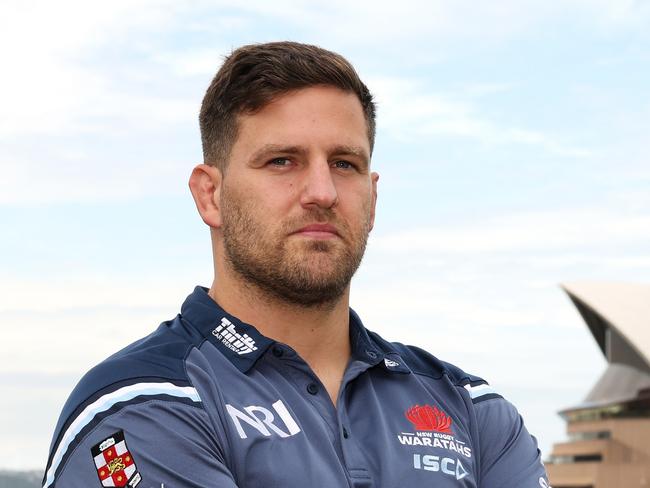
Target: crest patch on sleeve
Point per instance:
(114, 462)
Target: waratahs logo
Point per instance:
(429, 418)
(433, 430)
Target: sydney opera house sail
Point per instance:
(609, 432)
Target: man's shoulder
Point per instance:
(152, 367)
(422, 362)
(157, 356)
(120, 392)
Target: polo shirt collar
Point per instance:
(374, 351)
(240, 342)
(243, 344)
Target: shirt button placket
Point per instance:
(312, 389)
(353, 458)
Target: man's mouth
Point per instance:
(318, 231)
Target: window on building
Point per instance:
(590, 436)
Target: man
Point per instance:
(268, 379)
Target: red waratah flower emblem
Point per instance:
(429, 418)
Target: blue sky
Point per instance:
(512, 147)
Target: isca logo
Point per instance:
(446, 465)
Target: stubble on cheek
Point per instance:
(284, 267)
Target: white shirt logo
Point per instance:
(233, 340)
(263, 420)
(390, 363)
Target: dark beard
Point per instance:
(269, 267)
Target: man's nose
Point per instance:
(319, 187)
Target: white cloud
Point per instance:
(429, 26)
(616, 14)
(409, 111)
(89, 316)
(51, 77)
(201, 62)
(541, 231)
(51, 82)
(58, 294)
(88, 176)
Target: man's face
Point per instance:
(298, 198)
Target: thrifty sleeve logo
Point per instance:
(233, 340)
(263, 420)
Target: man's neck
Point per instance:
(320, 335)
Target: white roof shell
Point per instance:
(618, 316)
(622, 307)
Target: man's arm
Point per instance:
(153, 444)
(509, 454)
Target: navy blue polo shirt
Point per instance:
(208, 401)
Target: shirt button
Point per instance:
(345, 433)
(278, 352)
(371, 354)
(312, 388)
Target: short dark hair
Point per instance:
(252, 76)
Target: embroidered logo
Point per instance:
(429, 418)
(433, 436)
(233, 340)
(390, 363)
(114, 463)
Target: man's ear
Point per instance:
(374, 177)
(205, 185)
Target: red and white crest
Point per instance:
(427, 417)
(114, 463)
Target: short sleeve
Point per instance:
(149, 444)
(509, 456)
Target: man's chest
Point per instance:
(385, 432)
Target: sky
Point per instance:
(513, 155)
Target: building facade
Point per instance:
(608, 442)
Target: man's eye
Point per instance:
(343, 165)
(279, 162)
